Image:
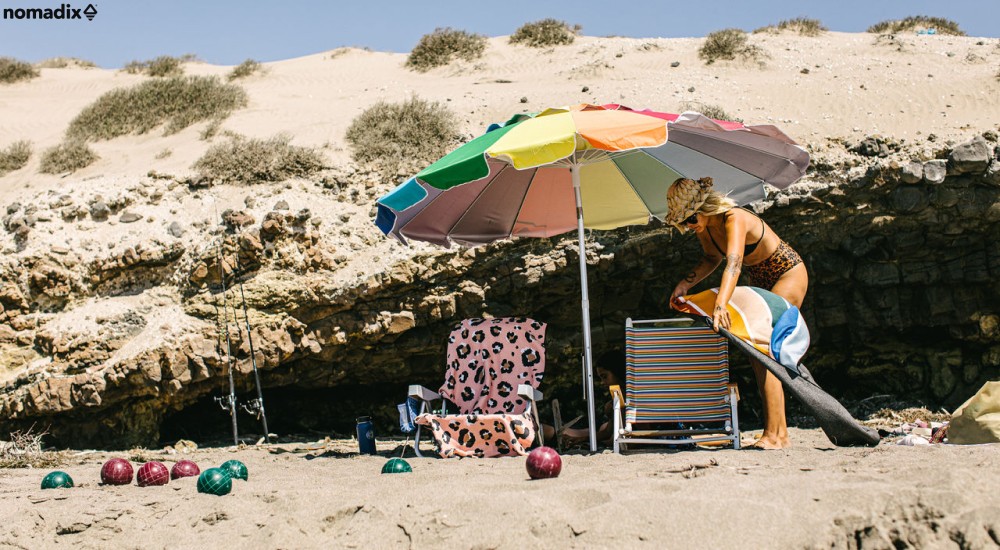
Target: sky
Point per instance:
(227, 32)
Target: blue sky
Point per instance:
(226, 32)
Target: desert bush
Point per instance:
(710, 110)
(441, 46)
(728, 44)
(63, 62)
(917, 22)
(244, 69)
(24, 449)
(14, 157)
(162, 66)
(545, 33)
(250, 161)
(402, 137)
(801, 25)
(13, 70)
(177, 102)
(68, 156)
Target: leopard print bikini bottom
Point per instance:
(766, 274)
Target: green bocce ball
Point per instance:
(396, 466)
(236, 469)
(57, 480)
(215, 481)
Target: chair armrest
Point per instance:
(422, 393)
(524, 390)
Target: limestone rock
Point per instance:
(935, 171)
(970, 157)
(912, 172)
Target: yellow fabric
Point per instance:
(978, 419)
(538, 141)
(608, 199)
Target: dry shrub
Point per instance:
(441, 46)
(68, 156)
(15, 156)
(244, 69)
(801, 25)
(727, 45)
(251, 161)
(177, 102)
(163, 66)
(64, 62)
(14, 70)
(545, 33)
(915, 23)
(24, 450)
(710, 110)
(402, 137)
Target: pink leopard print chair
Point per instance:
(494, 369)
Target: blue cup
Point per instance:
(366, 435)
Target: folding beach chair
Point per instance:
(675, 373)
(494, 368)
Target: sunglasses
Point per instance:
(691, 220)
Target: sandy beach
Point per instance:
(323, 494)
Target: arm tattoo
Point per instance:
(690, 277)
(733, 264)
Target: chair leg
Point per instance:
(734, 397)
(538, 424)
(416, 437)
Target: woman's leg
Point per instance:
(792, 286)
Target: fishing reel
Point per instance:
(226, 402)
(254, 407)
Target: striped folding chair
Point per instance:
(675, 373)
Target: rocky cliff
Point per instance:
(117, 343)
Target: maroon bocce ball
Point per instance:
(544, 462)
(152, 473)
(184, 468)
(116, 471)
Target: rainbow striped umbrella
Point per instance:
(586, 166)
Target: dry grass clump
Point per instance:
(545, 33)
(64, 62)
(24, 450)
(712, 111)
(163, 66)
(915, 23)
(441, 46)
(14, 70)
(68, 156)
(177, 102)
(402, 137)
(727, 45)
(244, 69)
(804, 26)
(15, 156)
(251, 161)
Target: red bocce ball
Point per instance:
(544, 462)
(116, 471)
(184, 468)
(152, 473)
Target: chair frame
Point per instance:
(626, 434)
(427, 396)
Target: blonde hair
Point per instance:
(687, 196)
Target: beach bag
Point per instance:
(978, 419)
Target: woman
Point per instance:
(748, 246)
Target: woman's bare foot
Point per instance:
(769, 443)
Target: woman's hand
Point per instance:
(720, 317)
(679, 291)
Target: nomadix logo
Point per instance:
(64, 11)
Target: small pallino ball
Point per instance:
(116, 471)
(184, 468)
(215, 481)
(396, 466)
(236, 469)
(152, 473)
(57, 480)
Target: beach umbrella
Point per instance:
(582, 167)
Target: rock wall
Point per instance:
(904, 300)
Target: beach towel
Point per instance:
(978, 419)
(487, 360)
(754, 324)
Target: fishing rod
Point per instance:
(228, 402)
(255, 406)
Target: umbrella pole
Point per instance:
(588, 380)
